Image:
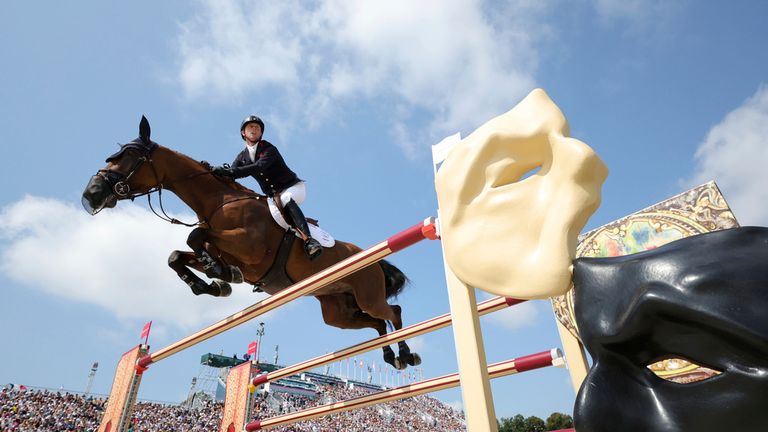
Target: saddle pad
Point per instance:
(317, 233)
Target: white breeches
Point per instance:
(297, 192)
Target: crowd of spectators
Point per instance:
(49, 411)
(153, 417)
(420, 413)
(44, 411)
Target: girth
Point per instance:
(277, 277)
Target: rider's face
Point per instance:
(252, 132)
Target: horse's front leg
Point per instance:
(182, 262)
(198, 240)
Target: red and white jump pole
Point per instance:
(397, 242)
(412, 331)
(509, 367)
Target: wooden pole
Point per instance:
(470, 355)
(509, 367)
(412, 331)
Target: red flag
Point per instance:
(145, 331)
(252, 348)
(22, 387)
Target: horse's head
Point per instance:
(125, 176)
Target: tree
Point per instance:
(558, 420)
(535, 424)
(513, 424)
(519, 423)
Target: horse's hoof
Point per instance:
(237, 275)
(224, 288)
(399, 364)
(414, 359)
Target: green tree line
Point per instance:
(519, 423)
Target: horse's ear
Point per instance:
(144, 130)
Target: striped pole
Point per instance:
(496, 370)
(412, 331)
(325, 277)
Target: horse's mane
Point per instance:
(231, 183)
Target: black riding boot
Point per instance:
(299, 222)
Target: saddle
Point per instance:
(277, 277)
(317, 233)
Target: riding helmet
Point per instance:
(251, 119)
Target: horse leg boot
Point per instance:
(299, 222)
(404, 355)
(212, 267)
(179, 262)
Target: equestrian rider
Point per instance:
(262, 161)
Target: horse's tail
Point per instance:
(395, 280)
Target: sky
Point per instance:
(670, 94)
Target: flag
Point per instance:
(252, 348)
(145, 331)
(22, 387)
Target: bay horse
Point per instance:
(236, 239)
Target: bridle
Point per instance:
(118, 183)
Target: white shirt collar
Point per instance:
(252, 150)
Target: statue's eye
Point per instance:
(681, 371)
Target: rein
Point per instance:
(122, 189)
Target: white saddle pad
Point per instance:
(317, 233)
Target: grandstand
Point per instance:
(39, 409)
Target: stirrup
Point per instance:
(313, 248)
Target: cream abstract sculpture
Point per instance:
(510, 235)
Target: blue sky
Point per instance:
(670, 94)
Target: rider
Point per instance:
(262, 161)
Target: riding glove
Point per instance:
(224, 171)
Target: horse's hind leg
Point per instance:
(181, 262)
(374, 302)
(405, 355)
(341, 311)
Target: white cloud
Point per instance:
(516, 317)
(454, 61)
(235, 46)
(735, 155)
(116, 261)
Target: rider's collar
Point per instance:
(248, 145)
(251, 149)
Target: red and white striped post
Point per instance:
(509, 367)
(413, 235)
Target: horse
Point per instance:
(236, 239)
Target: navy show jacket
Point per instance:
(268, 168)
